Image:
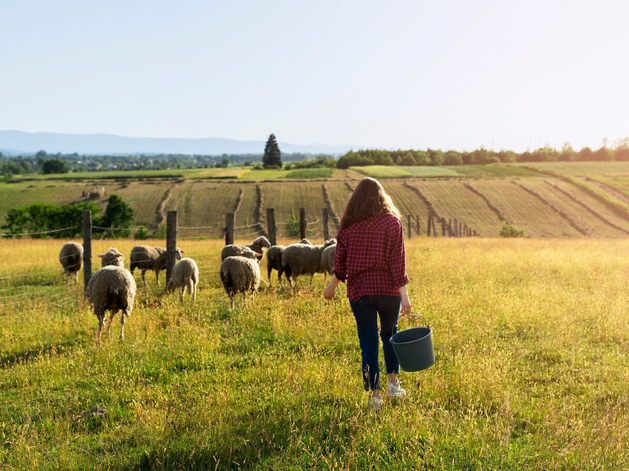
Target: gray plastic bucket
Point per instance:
(413, 348)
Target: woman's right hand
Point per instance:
(330, 289)
(406, 301)
(329, 292)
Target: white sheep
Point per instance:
(185, 275)
(327, 259)
(239, 275)
(146, 257)
(301, 259)
(71, 258)
(234, 249)
(112, 288)
(274, 259)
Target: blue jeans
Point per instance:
(366, 312)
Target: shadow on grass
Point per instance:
(9, 359)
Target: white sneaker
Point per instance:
(395, 391)
(375, 403)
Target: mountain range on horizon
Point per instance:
(14, 143)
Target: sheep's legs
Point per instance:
(182, 291)
(192, 290)
(111, 319)
(157, 277)
(122, 317)
(144, 277)
(101, 322)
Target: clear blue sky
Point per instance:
(444, 74)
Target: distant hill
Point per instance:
(18, 142)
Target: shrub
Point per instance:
(141, 234)
(507, 230)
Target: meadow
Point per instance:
(530, 339)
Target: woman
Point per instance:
(370, 257)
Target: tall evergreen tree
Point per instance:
(272, 157)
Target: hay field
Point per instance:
(530, 337)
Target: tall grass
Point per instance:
(530, 338)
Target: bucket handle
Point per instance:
(418, 314)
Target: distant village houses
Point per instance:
(92, 166)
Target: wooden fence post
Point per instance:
(87, 248)
(410, 227)
(302, 223)
(270, 223)
(171, 243)
(455, 226)
(434, 228)
(460, 229)
(326, 230)
(229, 228)
(449, 227)
(429, 225)
(418, 228)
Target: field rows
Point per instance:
(543, 206)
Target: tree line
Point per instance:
(481, 156)
(41, 220)
(48, 163)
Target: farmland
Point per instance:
(550, 200)
(531, 368)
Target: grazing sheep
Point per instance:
(111, 258)
(327, 259)
(274, 259)
(71, 258)
(302, 259)
(234, 249)
(112, 288)
(146, 258)
(185, 275)
(274, 262)
(239, 275)
(248, 253)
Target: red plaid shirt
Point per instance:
(370, 257)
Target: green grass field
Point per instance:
(531, 372)
(582, 168)
(458, 171)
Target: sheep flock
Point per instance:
(113, 288)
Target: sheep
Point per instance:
(71, 258)
(274, 262)
(257, 246)
(274, 259)
(111, 258)
(146, 257)
(239, 275)
(327, 259)
(302, 259)
(185, 275)
(112, 288)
